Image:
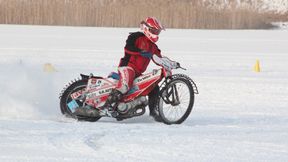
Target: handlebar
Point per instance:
(178, 66)
(181, 68)
(166, 63)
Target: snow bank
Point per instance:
(27, 91)
(281, 25)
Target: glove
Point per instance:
(175, 65)
(146, 54)
(178, 65)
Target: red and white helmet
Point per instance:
(151, 27)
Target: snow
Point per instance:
(239, 115)
(281, 25)
(280, 6)
(277, 6)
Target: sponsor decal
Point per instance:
(105, 91)
(93, 81)
(77, 93)
(92, 94)
(143, 78)
(148, 76)
(99, 93)
(98, 83)
(72, 105)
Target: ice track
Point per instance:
(239, 115)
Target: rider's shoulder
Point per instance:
(136, 34)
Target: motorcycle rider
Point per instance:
(139, 49)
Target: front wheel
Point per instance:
(176, 101)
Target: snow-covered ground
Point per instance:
(239, 115)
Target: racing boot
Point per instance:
(155, 115)
(153, 108)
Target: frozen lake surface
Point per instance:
(239, 115)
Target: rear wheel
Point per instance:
(67, 104)
(176, 101)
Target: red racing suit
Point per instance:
(133, 64)
(135, 44)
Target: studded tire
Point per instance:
(181, 110)
(65, 98)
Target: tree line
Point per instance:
(128, 13)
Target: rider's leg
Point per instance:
(153, 97)
(127, 75)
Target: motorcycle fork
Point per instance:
(172, 96)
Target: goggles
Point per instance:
(151, 29)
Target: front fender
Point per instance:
(195, 89)
(175, 76)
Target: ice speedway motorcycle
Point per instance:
(171, 96)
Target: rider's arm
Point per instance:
(157, 60)
(131, 47)
(158, 52)
(165, 61)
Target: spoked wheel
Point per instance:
(176, 101)
(67, 104)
